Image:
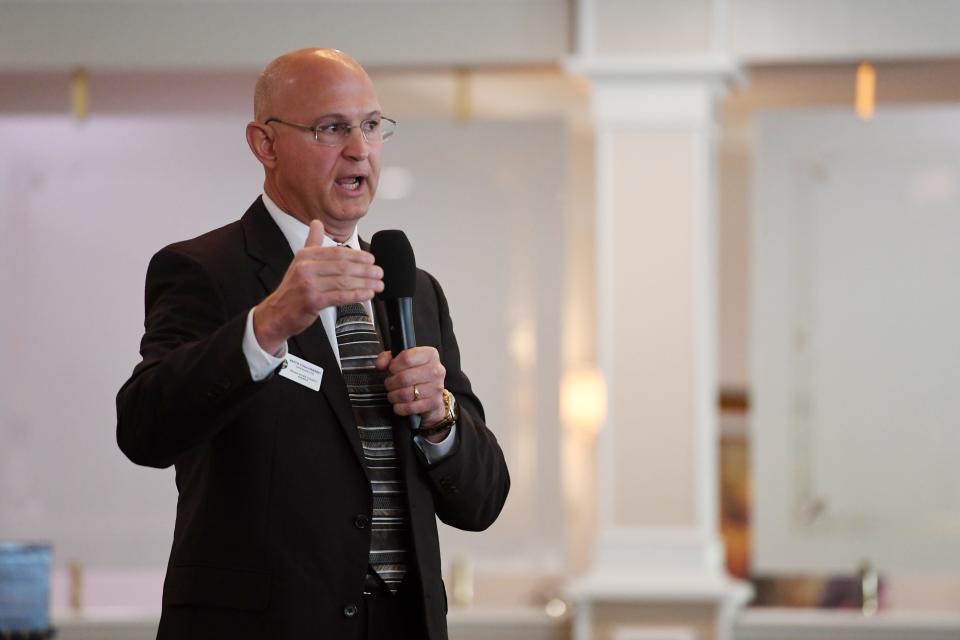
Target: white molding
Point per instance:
(705, 305)
(586, 27)
(646, 632)
(583, 621)
(657, 92)
(715, 69)
(717, 593)
(605, 321)
(720, 25)
(503, 623)
(660, 588)
(619, 550)
(811, 624)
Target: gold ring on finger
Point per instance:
(416, 393)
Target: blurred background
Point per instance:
(715, 242)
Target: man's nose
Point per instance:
(355, 145)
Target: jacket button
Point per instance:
(361, 521)
(350, 610)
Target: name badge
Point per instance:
(301, 372)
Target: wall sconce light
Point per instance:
(583, 400)
(79, 94)
(462, 97)
(866, 91)
(522, 344)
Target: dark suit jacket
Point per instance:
(270, 539)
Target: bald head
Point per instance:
(297, 95)
(286, 74)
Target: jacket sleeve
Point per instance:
(469, 486)
(193, 377)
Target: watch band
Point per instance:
(450, 419)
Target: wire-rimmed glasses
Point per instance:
(335, 134)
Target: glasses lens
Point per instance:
(332, 135)
(374, 132)
(386, 128)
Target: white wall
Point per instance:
(55, 35)
(83, 205)
(854, 364)
(212, 34)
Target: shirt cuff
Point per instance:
(261, 363)
(434, 452)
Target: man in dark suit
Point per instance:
(307, 506)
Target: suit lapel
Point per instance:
(267, 244)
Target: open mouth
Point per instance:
(350, 183)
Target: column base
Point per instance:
(684, 551)
(656, 606)
(656, 586)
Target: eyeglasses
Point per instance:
(335, 134)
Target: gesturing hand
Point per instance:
(318, 277)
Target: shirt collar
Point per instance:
(296, 232)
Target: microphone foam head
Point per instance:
(393, 253)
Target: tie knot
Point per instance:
(352, 309)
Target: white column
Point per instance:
(656, 324)
(658, 559)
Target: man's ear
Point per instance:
(260, 139)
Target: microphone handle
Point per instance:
(401, 325)
(400, 317)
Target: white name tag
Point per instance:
(301, 372)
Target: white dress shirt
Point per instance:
(262, 364)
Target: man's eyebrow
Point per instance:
(342, 117)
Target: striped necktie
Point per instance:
(359, 346)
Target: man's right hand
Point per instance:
(318, 277)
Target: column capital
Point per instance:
(712, 68)
(657, 90)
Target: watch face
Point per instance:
(451, 405)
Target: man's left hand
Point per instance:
(420, 368)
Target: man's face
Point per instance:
(316, 182)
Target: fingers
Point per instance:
(341, 268)
(327, 265)
(317, 278)
(429, 393)
(383, 360)
(420, 368)
(417, 357)
(337, 256)
(419, 365)
(313, 249)
(326, 276)
(336, 298)
(429, 407)
(315, 235)
(415, 384)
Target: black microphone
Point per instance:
(392, 251)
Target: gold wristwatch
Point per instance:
(450, 419)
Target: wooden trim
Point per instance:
(734, 401)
